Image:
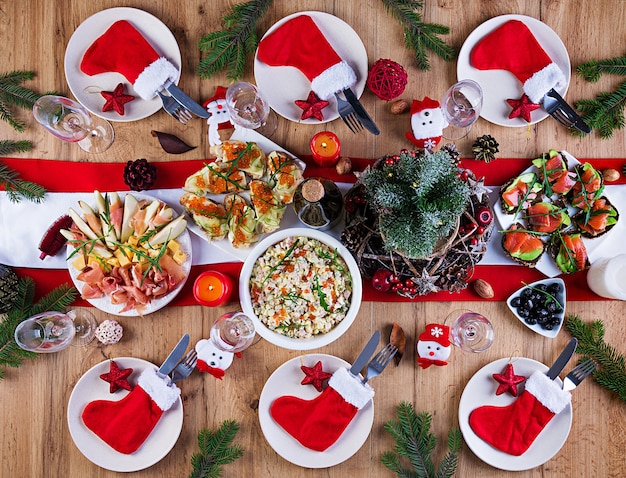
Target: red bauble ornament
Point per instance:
(381, 280)
(508, 380)
(387, 79)
(315, 376)
(484, 216)
(522, 108)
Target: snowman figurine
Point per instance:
(211, 359)
(219, 118)
(427, 123)
(433, 346)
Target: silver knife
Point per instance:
(558, 108)
(175, 355)
(365, 354)
(561, 362)
(182, 97)
(360, 112)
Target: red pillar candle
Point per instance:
(325, 148)
(212, 289)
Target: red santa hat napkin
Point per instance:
(124, 50)
(300, 43)
(513, 47)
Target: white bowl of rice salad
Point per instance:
(301, 287)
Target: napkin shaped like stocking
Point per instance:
(513, 47)
(124, 50)
(124, 425)
(512, 429)
(319, 423)
(300, 43)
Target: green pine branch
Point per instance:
(605, 113)
(611, 371)
(414, 443)
(593, 70)
(10, 180)
(216, 449)
(227, 48)
(420, 37)
(58, 300)
(13, 94)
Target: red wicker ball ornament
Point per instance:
(386, 79)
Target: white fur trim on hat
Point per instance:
(351, 388)
(548, 392)
(161, 390)
(154, 77)
(543, 81)
(338, 77)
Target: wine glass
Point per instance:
(470, 331)
(249, 108)
(52, 331)
(69, 121)
(461, 107)
(232, 332)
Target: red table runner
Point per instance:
(69, 176)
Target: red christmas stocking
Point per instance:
(319, 423)
(124, 50)
(513, 47)
(300, 43)
(512, 429)
(124, 425)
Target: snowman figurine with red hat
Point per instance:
(433, 346)
(219, 118)
(427, 123)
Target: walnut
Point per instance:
(610, 175)
(399, 107)
(483, 288)
(344, 165)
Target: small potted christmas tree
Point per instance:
(416, 223)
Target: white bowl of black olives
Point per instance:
(540, 306)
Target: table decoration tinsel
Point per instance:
(415, 214)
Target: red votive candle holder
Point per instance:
(212, 289)
(325, 148)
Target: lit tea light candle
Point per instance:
(212, 289)
(325, 147)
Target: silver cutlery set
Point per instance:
(179, 365)
(179, 105)
(577, 374)
(378, 363)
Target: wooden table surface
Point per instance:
(35, 440)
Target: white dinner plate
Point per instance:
(286, 381)
(104, 303)
(546, 264)
(91, 387)
(86, 88)
(481, 390)
(283, 85)
(500, 85)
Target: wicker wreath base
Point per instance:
(449, 267)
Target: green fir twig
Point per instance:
(10, 180)
(216, 449)
(227, 48)
(13, 94)
(611, 370)
(594, 69)
(415, 443)
(420, 37)
(56, 300)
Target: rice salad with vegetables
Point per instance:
(300, 287)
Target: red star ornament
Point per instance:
(315, 376)
(116, 99)
(508, 380)
(117, 377)
(312, 107)
(522, 108)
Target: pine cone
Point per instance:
(139, 175)
(8, 288)
(454, 153)
(485, 148)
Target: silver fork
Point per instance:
(578, 374)
(379, 362)
(185, 366)
(348, 115)
(175, 109)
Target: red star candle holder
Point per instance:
(213, 289)
(325, 148)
